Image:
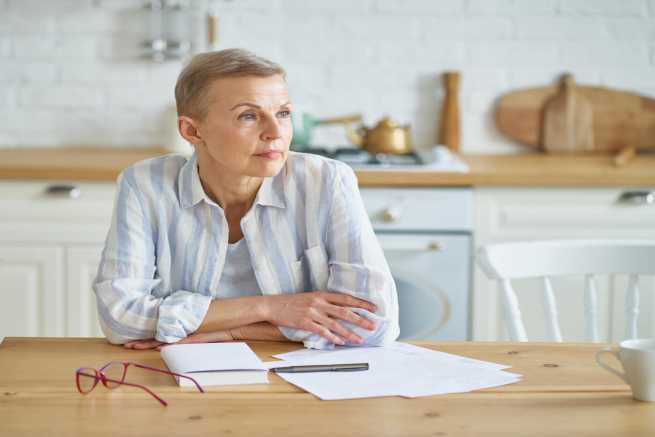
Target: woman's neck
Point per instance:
(235, 193)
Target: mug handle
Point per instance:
(610, 351)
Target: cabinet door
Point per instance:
(514, 214)
(82, 265)
(31, 291)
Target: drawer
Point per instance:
(54, 201)
(430, 209)
(55, 212)
(586, 210)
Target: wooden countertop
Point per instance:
(528, 170)
(563, 392)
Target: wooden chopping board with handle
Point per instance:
(558, 118)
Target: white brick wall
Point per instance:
(70, 72)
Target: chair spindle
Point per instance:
(632, 307)
(552, 314)
(512, 313)
(591, 309)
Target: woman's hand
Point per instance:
(205, 337)
(318, 312)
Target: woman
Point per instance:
(245, 240)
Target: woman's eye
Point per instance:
(284, 114)
(248, 116)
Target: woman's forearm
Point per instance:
(225, 314)
(258, 331)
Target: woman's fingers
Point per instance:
(346, 314)
(206, 337)
(325, 333)
(130, 344)
(339, 329)
(347, 300)
(143, 344)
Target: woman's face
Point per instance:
(247, 129)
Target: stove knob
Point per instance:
(390, 215)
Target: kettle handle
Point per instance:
(355, 118)
(355, 136)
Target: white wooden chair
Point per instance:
(545, 259)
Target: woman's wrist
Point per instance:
(263, 308)
(257, 331)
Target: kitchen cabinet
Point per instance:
(51, 237)
(32, 290)
(51, 241)
(512, 214)
(81, 267)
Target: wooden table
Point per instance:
(563, 392)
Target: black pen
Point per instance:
(354, 367)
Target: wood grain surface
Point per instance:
(563, 392)
(620, 119)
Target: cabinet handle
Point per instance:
(637, 198)
(63, 190)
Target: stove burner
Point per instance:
(355, 156)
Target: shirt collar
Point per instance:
(190, 191)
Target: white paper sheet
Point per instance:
(396, 370)
(313, 356)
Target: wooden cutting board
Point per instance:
(568, 120)
(619, 119)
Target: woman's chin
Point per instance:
(269, 167)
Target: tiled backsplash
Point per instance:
(70, 73)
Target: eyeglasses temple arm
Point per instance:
(143, 366)
(140, 386)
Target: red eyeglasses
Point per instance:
(113, 374)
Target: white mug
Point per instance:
(638, 360)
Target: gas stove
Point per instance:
(439, 158)
(354, 156)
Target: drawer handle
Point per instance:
(637, 198)
(63, 190)
(435, 246)
(390, 215)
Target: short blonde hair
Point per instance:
(203, 69)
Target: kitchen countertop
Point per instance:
(527, 170)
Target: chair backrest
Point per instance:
(545, 259)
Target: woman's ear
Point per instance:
(188, 128)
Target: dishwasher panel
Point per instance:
(432, 275)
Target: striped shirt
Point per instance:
(166, 248)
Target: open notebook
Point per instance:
(215, 364)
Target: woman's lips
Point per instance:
(270, 154)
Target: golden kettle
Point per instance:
(386, 137)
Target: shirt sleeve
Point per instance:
(127, 310)
(356, 266)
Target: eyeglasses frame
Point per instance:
(99, 375)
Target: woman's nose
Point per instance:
(271, 130)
